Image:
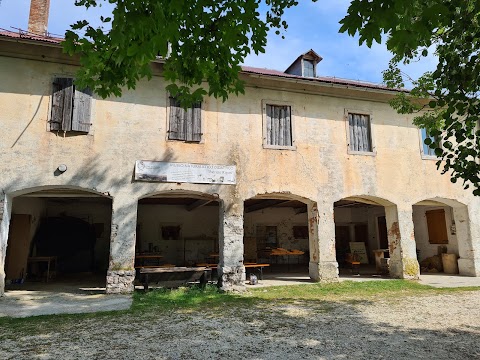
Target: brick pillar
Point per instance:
(38, 19)
(121, 271)
(231, 271)
(401, 243)
(323, 266)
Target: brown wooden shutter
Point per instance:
(81, 119)
(62, 104)
(437, 226)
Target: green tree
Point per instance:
(205, 40)
(445, 99)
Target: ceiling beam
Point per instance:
(264, 204)
(197, 204)
(301, 210)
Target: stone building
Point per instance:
(298, 162)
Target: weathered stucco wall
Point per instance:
(134, 127)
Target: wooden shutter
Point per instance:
(81, 117)
(360, 132)
(176, 130)
(62, 104)
(287, 126)
(268, 111)
(437, 226)
(279, 125)
(197, 122)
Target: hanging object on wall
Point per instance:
(160, 171)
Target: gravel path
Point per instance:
(442, 326)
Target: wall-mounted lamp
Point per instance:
(62, 168)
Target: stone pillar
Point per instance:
(5, 211)
(231, 271)
(401, 242)
(323, 266)
(468, 237)
(121, 271)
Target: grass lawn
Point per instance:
(194, 299)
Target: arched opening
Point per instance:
(276, 234)
(58, 239)
(177, 228)
(361, 236)
(441, 231)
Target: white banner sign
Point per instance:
(185, 173)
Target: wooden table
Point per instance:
(47, 259)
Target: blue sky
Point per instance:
(311, 26)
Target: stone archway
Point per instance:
(281, 229)
(441, 225)
(55, 231)
(378, 222)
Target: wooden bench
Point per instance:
(354, 263)
(247, 265)
(257, 266)
(183, 274)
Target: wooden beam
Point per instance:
(197, 204)
(301, 210)
(264, 204)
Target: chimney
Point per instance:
(38, 20)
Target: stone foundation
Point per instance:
(120, 281)
(407, 268)
(231, 278)
(324, 272)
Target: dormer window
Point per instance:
(308, 68)
(305, 65)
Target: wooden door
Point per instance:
(18, 246)
(437, 226)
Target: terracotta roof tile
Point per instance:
(319, 79)
(245, 69)
(29, 36)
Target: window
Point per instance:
(308, 68)
(278, 126)
(426, 149)
(360, 132)
(184, 124)
(71, 107)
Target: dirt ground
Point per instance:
(440, 326)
